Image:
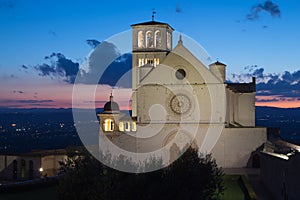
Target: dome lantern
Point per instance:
(111, 106)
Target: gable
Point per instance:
(180, 58)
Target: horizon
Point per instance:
(69, 108)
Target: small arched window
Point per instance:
(121, 126)
(149, 39)
(169, 40)
(127, 126)
(23, 169)
(141, 62)
(109, 125)
(156, 62)
(133, 126)
(157, 39)
(141, 39)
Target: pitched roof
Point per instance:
(151, 23)
(242, 87)
(186, 58)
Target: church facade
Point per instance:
(177, 101)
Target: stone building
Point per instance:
(32, 165)
(178, 101)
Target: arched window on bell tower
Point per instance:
(169, 40)
(149, 39)
(141, 39)
(157, 39)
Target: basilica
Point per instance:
(177, 101)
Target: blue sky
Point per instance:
(33, 29)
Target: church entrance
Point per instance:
(178, 142)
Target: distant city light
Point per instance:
(13, 125)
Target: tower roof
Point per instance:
(218, 63)
(151, 23)
(111, 106)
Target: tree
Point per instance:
(190, 177)
(194, 177)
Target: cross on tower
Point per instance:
(153, 14)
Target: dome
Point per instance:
(111, 106)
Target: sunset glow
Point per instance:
(274, 101)
(280, 104)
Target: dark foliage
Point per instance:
(190, 177)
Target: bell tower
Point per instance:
(151, 42)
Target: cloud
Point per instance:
(24, 67)
(33, 101)
(276, 98)
(268, 6)
(96, 101)
(105, 65)
(254, 71)
(18, 91)
(13, 76)
(284, 86)
(8, 76)
(114, 75)
(52, 33)
(26, 102)
(178, 8)
(45, 69)
(250, 68)
(267, 100)
(258, 73)
(93, 43)
(59, 66)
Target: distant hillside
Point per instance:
(34, 110)
(287, 119)
(273, 110)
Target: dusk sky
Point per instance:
(43, 43)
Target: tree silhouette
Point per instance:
(190, 177)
